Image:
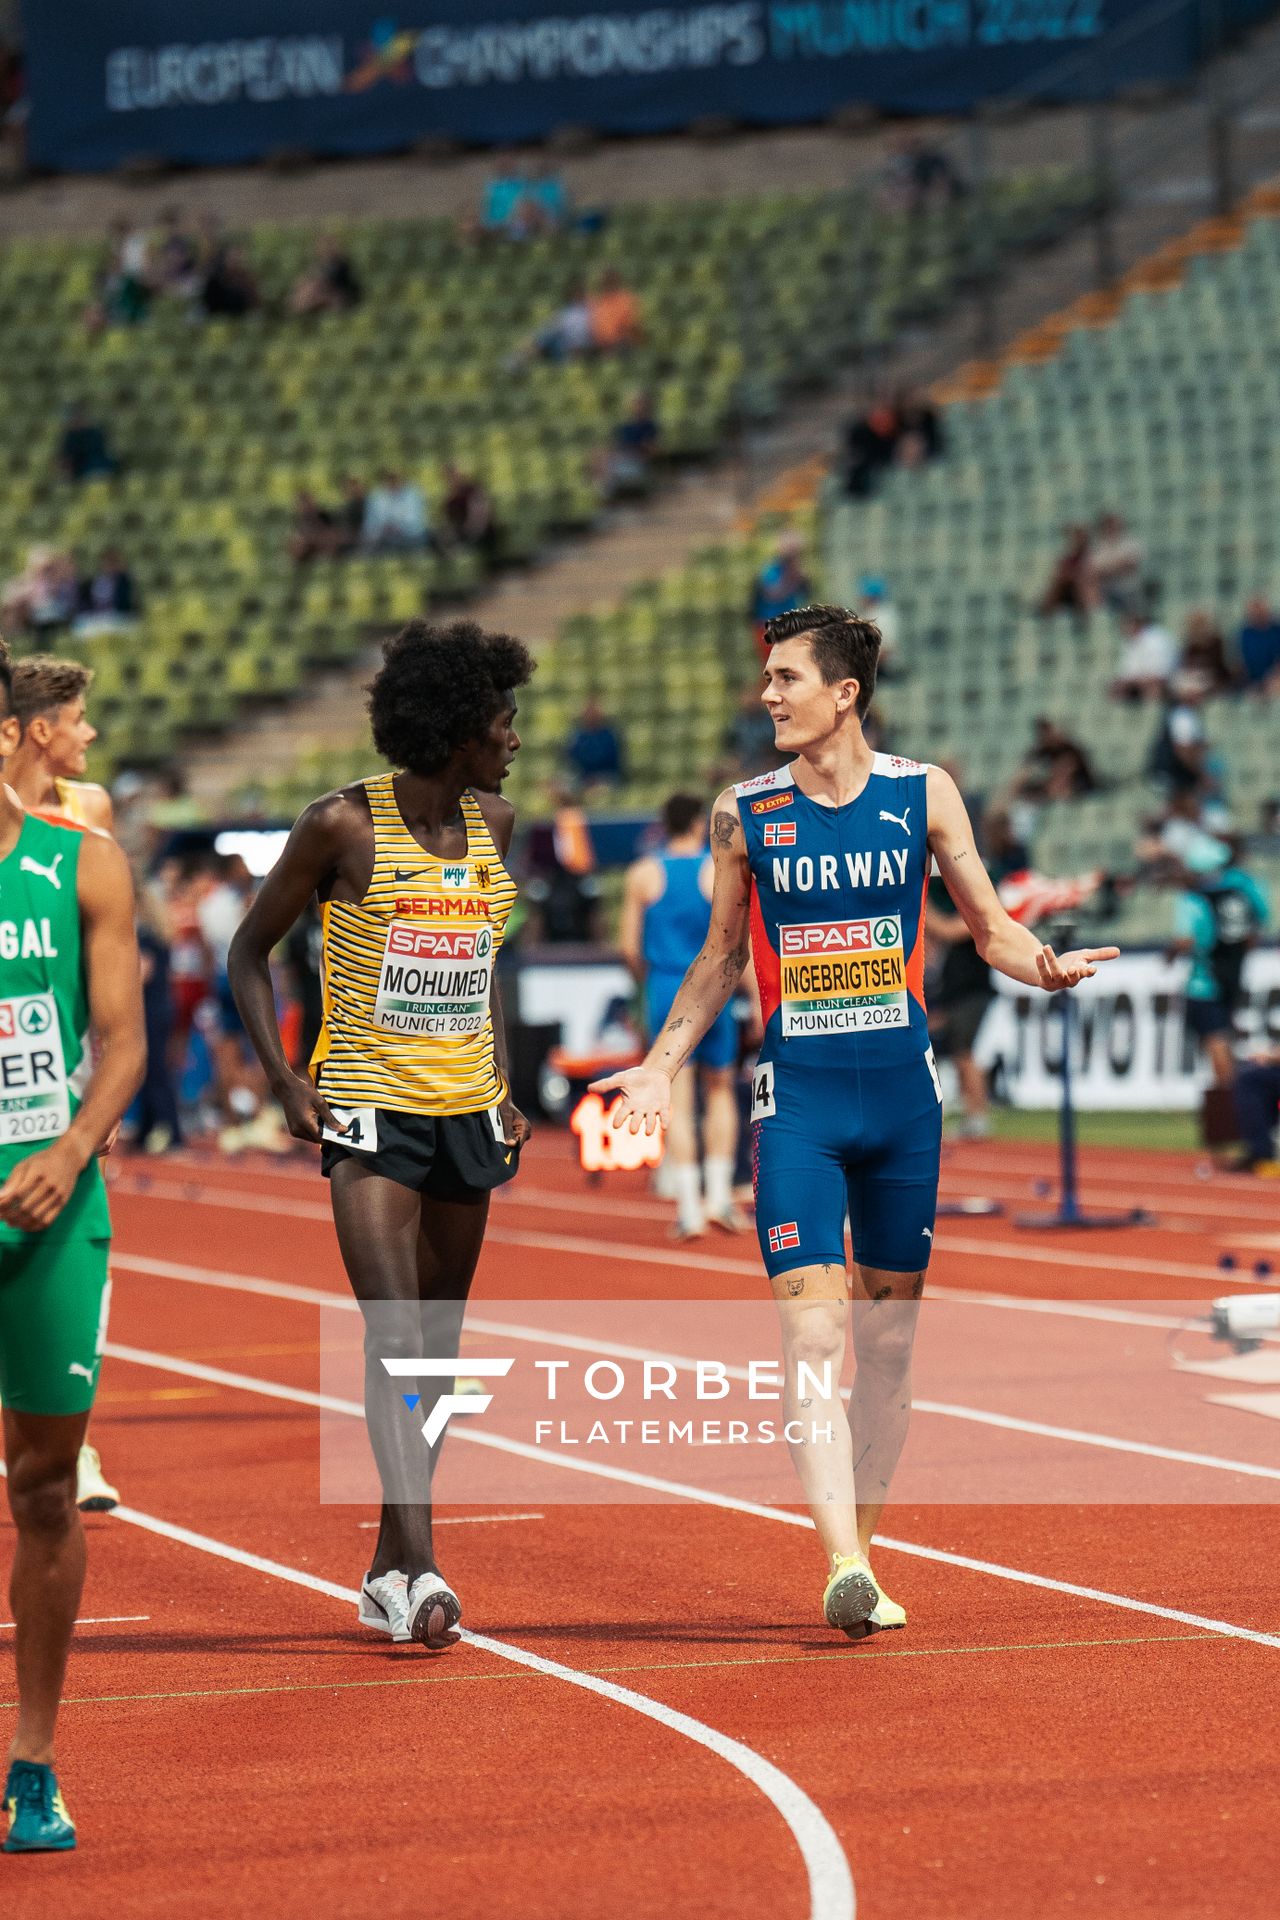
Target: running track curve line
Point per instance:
(831, 1890)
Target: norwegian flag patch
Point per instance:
(784, 1236)
(779, 833)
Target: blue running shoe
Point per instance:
(38, 1817)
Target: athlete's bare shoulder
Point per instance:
(338, 817)
(94, 802)
(726, 823)
(499, 816)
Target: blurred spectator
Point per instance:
(395, 515)
(624, 467)
(1182, 839)
(154, 1114)
(1072, 587)
(467, 512)
(781, 585)
(749, 736)
(594, 749)
(1117, 560)
(869, 441)
(1260, 648)
(1180, 751)
(1257, 1103)
(108, 598)
(960, 994)
(502, 212)
(329, 284)
(546, 206)
(916, 177)
(1266, 839)
(567, 334)
(560, 864)
(1241, 911)
(875, 604)
(1204, 652)
(1056, 767)
(303, 945)
(1147, 659)
(41, 599)
(177, 266)
(348, 515)
(83, 452)
(230, 290)
(122, 296)
(313, 533)
(1195, 935)
(241, 1084)
(615, 315)
(917, 430)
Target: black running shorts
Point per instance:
(455, 1156)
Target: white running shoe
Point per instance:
(434, 1611)
(384, 1605)
(94, 1493)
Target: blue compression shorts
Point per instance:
(864, 1145)
(718, 1046)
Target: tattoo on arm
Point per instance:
(956, 858)
(723, 828)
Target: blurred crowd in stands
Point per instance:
(51, 596)
(394, 516)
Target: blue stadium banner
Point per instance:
(214, 81)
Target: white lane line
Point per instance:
(94, 1620)
(675, 1489)
(335, 1297)
(831, 1891)
(463, 1520)
(1027, 1253)
(619, 1350)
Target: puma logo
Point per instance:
(28, 865)
(897, 823)
(927, 1232)
(86, 1373)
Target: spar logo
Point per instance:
(438, 943)
(829, 936)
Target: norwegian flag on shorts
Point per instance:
(780, 833)
(787, 1235)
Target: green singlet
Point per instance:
(53, 1284)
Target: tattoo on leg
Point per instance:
(796, 1285)
(882, 1293)
(808, 1402)
(917, 1287)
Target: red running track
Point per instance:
(1085, 1722)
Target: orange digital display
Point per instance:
(603, 1148)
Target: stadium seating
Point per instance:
(217, 425)
(1169, 414)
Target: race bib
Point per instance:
(435, 979)
(361, 1125)
(843, 976)
(34, 1100)
(763, 1101)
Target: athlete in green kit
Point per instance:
(68, 967)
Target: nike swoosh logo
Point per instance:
(401, 876)
(507, 1158)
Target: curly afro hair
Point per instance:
(439, 688)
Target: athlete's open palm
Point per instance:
(646, 1098)
(1069, 969)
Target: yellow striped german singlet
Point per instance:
(406, 974)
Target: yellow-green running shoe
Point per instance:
(851, 1592)
(38, 1817)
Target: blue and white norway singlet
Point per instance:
(846, 1110)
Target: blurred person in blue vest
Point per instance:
(666, 911)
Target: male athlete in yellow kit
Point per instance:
(410, 1093)
(45, 772)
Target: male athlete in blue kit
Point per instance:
(821, 868)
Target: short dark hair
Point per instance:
(40, 684)
(680, 812)
(6, 679)
(845, 646)
(438, 688)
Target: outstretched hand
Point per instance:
(1071, 968)
(645, 1105)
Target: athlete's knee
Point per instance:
(42, 1493)
(884, 1336)
(814, 1334)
